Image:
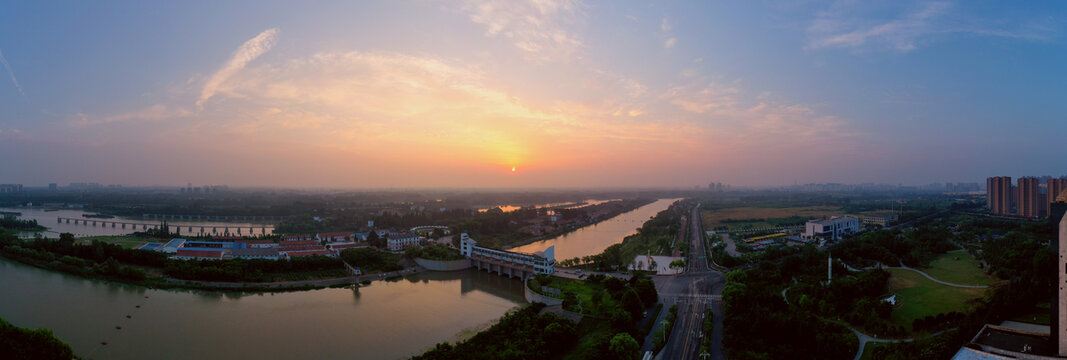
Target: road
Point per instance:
(692, 291)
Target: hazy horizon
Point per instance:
(529, 94)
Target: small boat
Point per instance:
(103, 343)
(138, 306)
(129, 317)
(118, 328)
(97, 216)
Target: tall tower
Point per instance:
(1057, 212)
(1054, 187)
(1027, 200)
(829, 269)
(999, 195)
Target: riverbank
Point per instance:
(628, 206)
(330, 323)
(169, 283)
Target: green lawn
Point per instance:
(585, 291)
(958, 267)
(918, 297)
(127, 242)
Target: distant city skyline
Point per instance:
(538, 94)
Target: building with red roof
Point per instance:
(200, 254)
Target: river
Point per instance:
(48, 219)
(386, 320)
(593, 239)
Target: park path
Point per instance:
(902, 267)
(939, 281)
(864, 339)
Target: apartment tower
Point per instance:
(1027, 201)
(998, 195)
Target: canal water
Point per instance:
(386, 320)
(48, 219)
(566, 205)
(593, 239)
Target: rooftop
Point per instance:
(255, 252)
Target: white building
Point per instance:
(879, 219)
(508, 263)
(832, 228)
(398, 242)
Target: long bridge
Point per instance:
(187, 228)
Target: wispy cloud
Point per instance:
(11, 73)
(248, 51)
(152, 113)
(670, 43)
(537, 27)
(855, 25)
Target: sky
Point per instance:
(536, 93)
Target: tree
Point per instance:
(631, 302)
(677, 264)
(624, 347)
(646, 290)
(374, 240)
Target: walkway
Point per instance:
(939, 281)
(787, 289)
(902, 267)
(864, 339)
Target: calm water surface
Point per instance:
(386, 320)
(593, 239)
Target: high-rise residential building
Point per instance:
(1027, 200)
(53, 187)
(10, 188)
(999, 195)
(1054, 187)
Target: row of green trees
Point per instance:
(762, 326)
(433, 252)
(24, 344)
(12, 222)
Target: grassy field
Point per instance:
(918, 297)
(127, 242)
(958, 267)
(715, 218)
(585, 291)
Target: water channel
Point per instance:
(386, 320)
(593, 239)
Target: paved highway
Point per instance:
(693, 291)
